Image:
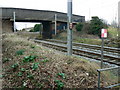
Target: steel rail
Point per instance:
(90, 54)
(97, 47)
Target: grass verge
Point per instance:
(29, 65)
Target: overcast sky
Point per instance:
(104, 9)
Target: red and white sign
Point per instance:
(104, 33)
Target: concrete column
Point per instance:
(47, 30)
(7, 26)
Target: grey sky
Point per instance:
(105, 9)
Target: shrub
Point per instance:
(34, 66)
(59, 84)
(15, 66)
(79, 26)
(20, 52)
(29, 58)
(96, 25)
(5, 60)
(36, 28)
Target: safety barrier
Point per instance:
(106, 69)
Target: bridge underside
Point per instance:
(31, 15)
(48, 27)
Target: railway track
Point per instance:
(89, 46)
(77, 50)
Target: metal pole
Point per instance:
(98, 80)
(14, 21)
(102, 48)
(55, 24)
(69, 36)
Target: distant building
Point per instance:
(119, 13)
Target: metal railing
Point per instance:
(106, 69)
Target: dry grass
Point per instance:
(78, 72)
(28, 35)
(80, 38)
(113, 32)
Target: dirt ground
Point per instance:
(29, 65)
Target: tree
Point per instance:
(36, 28)
(86, 27)
(96, 25)
(79, 26)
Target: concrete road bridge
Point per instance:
(47, 18)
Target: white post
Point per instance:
(55, 24)
(14, 21)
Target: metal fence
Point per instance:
(106, 69)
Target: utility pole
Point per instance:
(14, 21)
(55, 24)
(69, 31)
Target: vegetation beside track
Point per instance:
(29, 65)
(80, 37)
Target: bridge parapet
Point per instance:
(46, 17)
(38, 15)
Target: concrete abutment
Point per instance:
(47, 30)
(7, 26)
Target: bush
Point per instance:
(96, 25)
(37, 28)
(79, 26)
(86, 27)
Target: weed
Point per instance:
(15, 66)
(61, 75)
(39, 85)
(22, 69)
(6, 60)
(32, 46)
(59, 84)
(32, 52)
(45, 60)
(29, 58)
(34, 66)
(1, 76)
(20, 74)
(20, 52)
(44, 57)
(30, 76)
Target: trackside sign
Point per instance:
(103, 33)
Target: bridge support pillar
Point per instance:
(7, 26)
(47, 30)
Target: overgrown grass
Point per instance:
(44, 67)
(111, 41)
(28, 35)
(113, 32)
(77, 37)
